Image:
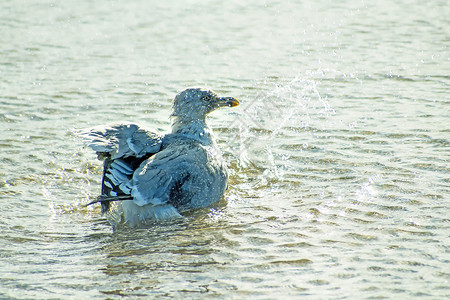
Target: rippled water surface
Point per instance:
(339, 153)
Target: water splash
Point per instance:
(274, 116)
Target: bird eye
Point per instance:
(207, 98)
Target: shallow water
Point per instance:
(339, 153)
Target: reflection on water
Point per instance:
(338, 155)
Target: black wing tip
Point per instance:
(105, 201)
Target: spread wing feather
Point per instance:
(121, 140)
(123, 147)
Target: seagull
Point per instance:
(156, 177)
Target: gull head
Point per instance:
(195, 103)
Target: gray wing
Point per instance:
(171, 176)
(121, 140)
(161, 181)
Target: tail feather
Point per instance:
(137, 216)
